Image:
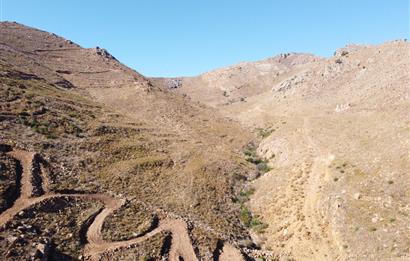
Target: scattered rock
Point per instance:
(11, 239)
(342, 107)
(104, 53)
(5, 148)
(64, 84)
(174, 83)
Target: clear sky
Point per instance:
(187, 37)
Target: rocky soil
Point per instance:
(122, 137)
(335, 133)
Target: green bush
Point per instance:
(246, 216)
(250, 150)
(263, 167)
(252, 222)
(252, 157)
(254, 160)
(257, 225)
(244, 195)
(247, 193)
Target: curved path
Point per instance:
(230, 253)
(181, 246)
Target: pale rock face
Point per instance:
(342, 107)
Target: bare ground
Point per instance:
(181, 246)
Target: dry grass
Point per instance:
(154, 248)
(129, 221)
(91, 149)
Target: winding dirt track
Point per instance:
(181, 246)
(328, 248)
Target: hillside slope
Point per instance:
(336, 134)
(233, 84)
(100, 127)
(292, 157)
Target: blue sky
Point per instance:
(187, 37)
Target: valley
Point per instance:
(295, 157)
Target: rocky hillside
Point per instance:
(295, 157)
(236, 83)
(100, 127)
(336, 134)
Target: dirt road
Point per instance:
(181, 246)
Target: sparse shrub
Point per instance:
(263, 133)
(261, 164)
(250, 150)
(257, 225)
(248, 192)
(245, 216)
(263, 167)
(248, 153)
(74, 114)
(251, 221)
(244, 195)
(254, 160)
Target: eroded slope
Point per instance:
(336, 134)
